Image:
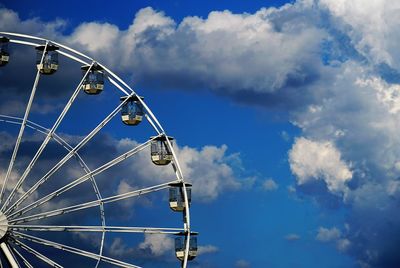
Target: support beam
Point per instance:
(22, 129)
(82, 179)
(9, 256)
(90, 204)
(74, 250)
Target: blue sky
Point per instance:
(287, 116)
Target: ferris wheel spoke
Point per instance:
(47, 139)
(10, 256)
(24, 260)
(84, 178)
(66, 158)
(22, 128)
(98, 229)
(90, 204)
(74, 250)
(36, 253)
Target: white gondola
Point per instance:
(161, 154)
(180, 244)
(49, 65)
(4, 53)
(177, 198)
(93, 83)
(132, 111)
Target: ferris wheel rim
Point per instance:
(125, 88)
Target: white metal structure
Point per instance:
(17, 234)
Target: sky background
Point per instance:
(285, 115)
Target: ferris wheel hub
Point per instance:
(3, 225)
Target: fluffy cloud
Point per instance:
(355, 123)
(157, 243)
(319, 160)
(333, 235)
(210, 169)
(326, 235)
(224, 51)
(371, 27)
(270, 54)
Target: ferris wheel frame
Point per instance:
(15, 222)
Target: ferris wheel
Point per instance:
(28, 215)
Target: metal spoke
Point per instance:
(82, 179)
(66, 158)
(9, 256)
(47, 139)
(36, 253)
(24, 260)
(91, 204)
(22, 129)
(74, 250)
(108, 229)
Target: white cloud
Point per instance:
(327, 235)
(119, 248)
(207, 249)
(312, 160)
(104, 34)
(225, 50)
(158, 244)
(371, 25)
(270, 185)
(333, 235)
(343, 244)
(210, 169)
(387, 94)
(10, 21)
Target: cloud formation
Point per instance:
(157, 243)
(333, 66)
(333, 235)
(326, 235)
(310, 160)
